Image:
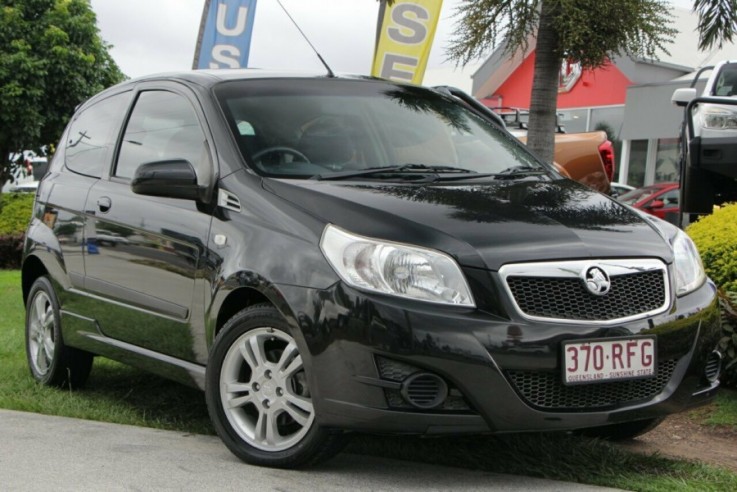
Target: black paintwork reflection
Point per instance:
(341, 314)
(484, 225)
(68, 229)
(537, 202)
(145, 252)
(173, 337)
(64, 197)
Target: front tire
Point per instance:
(258, 396)
(51, 362)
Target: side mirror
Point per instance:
(655, 204)
(173, 179)
(681, 97)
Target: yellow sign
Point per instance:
(405, 38)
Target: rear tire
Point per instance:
(51, 362)
(258, 396)
(623, 431)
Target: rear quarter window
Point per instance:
(91, 137)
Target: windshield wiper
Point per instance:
(460, 173)
(437, 169)
(517, 171)
(404, 168)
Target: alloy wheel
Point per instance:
(41, 342)
(264, 392)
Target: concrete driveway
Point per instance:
(39, 452)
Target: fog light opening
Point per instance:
(424, 390)
(713, 368)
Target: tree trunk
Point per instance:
(544, 97)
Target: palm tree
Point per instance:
(717, 22)
(588, 32)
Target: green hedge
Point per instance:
(728, 343)
(716, 237)
(15, 213)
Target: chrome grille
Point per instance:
(558, 291)
(546, 391)
(567, 298)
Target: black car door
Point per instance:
(144, 252)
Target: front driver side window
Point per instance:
(163, 126)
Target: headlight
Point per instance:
(394, 268)
(718, 118)
(689, 270)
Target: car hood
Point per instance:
(483, 225)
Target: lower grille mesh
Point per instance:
(545, 390)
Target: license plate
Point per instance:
(589, 361)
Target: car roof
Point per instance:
(209, 78)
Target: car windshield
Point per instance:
(726, 82)
(333, 129)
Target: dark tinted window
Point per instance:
(163, 126)
(308, 127)
(92, 135)
(726, 83)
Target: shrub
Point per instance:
(716, 237)
(15, 213)
(11, 251)
(728, 343)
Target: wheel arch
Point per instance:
(240, 291)
(32, 269)
(235, 301)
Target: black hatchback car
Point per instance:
(329, 254)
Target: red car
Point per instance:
(658, 199)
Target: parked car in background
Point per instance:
(327, 255)
(709, 140)
(619, 189)
(659, 199)
(586, 157)
(29, 170)
(24, 187)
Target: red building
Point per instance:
(629, 97)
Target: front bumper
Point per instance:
(481, 354)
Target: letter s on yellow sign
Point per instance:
(405, 38)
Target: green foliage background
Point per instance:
(716, 237)
(15, 212)
(51, 59)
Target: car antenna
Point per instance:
(330, 72)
